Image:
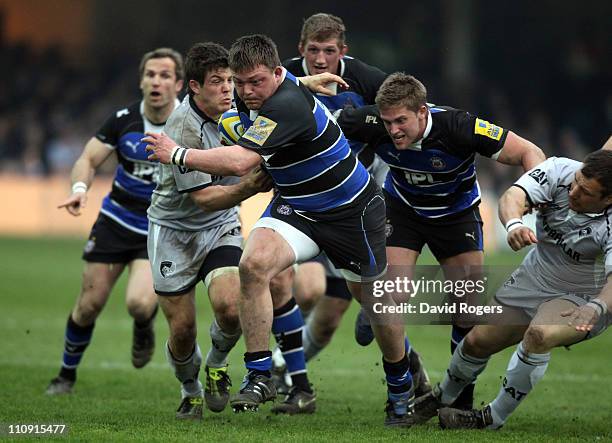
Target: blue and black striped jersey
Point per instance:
(436, 176)
(363, 80)
(135, 176)
(303, 149)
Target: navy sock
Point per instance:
(76, 340)
(258, 362)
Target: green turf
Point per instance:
(113, 401)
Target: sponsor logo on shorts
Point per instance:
(90, 245)
(284, 210)
(471, 235)
(167, 268)
(437, 163)
(585, 231)
(388, 230)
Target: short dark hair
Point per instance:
(321, 27)
(202, 59)
(179, 69)
(401, 89)
(598, 165)
(253, 50)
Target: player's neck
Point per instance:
(158, 115)
(211, 113)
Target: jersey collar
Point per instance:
(416, 146)
(340, 73)
(177, 103)
(198, 111)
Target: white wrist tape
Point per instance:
(513, 224)
(79, 187)
(599, 306)
(178, 156)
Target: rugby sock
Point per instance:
(76, 340)
(399, 385)
(222, 343)
(287, 327)
(311, 346)
(187, 371)
(522, 374)
(258, 362)
(465, 397)
(461, 372)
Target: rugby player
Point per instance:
(431, 190)
(560, 295)
(194, 235)
(319, 180)
(118, 238)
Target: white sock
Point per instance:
(187, 372)
(462, 371)
(222, 344)
(523, 372)
(311, 346)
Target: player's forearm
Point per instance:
(224, 197)
(83, 171)
(605, 296)
(512, 205)
(226, 160)
(608, 144)
(532, 156)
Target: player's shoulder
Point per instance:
(128, 112)
(185, 124)
(563, 167)
(295, 66)
(357, 66)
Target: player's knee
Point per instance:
(227, 315)
(477, 345)
(324, 331)
(537, 339)
(254, 269)
(141, 308)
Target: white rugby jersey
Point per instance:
(171, 205)
(574, 250)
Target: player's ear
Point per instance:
(194, 85)
(278, 72)
(343, 50)
(301, 49)
(179, 86)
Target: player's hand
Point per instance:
(161, 145)
(520, 237)
(75, 203)
(583, 318)
(258, 180)
(318, 83)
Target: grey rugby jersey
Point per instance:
(171, 204)
(572, 247)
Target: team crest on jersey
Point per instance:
(284, 210)
(483, 127)
(167, 268)
(260, 130)
(585, 231)
(437, 163)
(90, 245)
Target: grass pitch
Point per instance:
(113, 401)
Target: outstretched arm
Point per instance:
(520, 152)
(319, 83)
(224, 160)
(93, 155)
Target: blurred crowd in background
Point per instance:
(561, 99)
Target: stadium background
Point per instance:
(541, 68)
